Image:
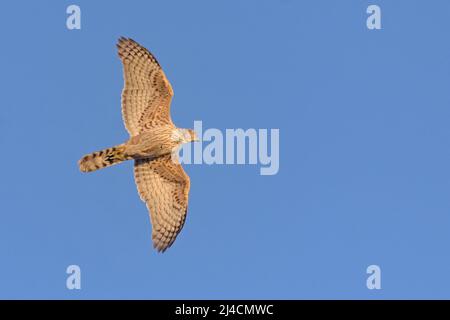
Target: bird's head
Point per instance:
(193, 136)
(185, 136)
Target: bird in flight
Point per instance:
(161, 181)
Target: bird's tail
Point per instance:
(102, 159)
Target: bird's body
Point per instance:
(161, 181)
(153, 143)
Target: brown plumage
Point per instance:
(161, 181)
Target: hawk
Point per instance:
(161, 181)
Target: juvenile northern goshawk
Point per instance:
(161, 181)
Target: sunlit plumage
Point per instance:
(161, 181)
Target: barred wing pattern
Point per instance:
(147, 93)
(164, 187)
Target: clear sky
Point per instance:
(364, 172)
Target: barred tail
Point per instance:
(102, 159)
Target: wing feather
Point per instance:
(147, 93)
(164, 187)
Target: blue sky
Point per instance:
(364, 150)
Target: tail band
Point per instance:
(102, 159)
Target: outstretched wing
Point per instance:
(164, 187)
(147, 93)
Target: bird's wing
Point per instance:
(164, 187)
(147, 93)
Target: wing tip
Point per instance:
(160, 244)
(123, 40)
(160, 247)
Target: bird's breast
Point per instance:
(150, 144)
